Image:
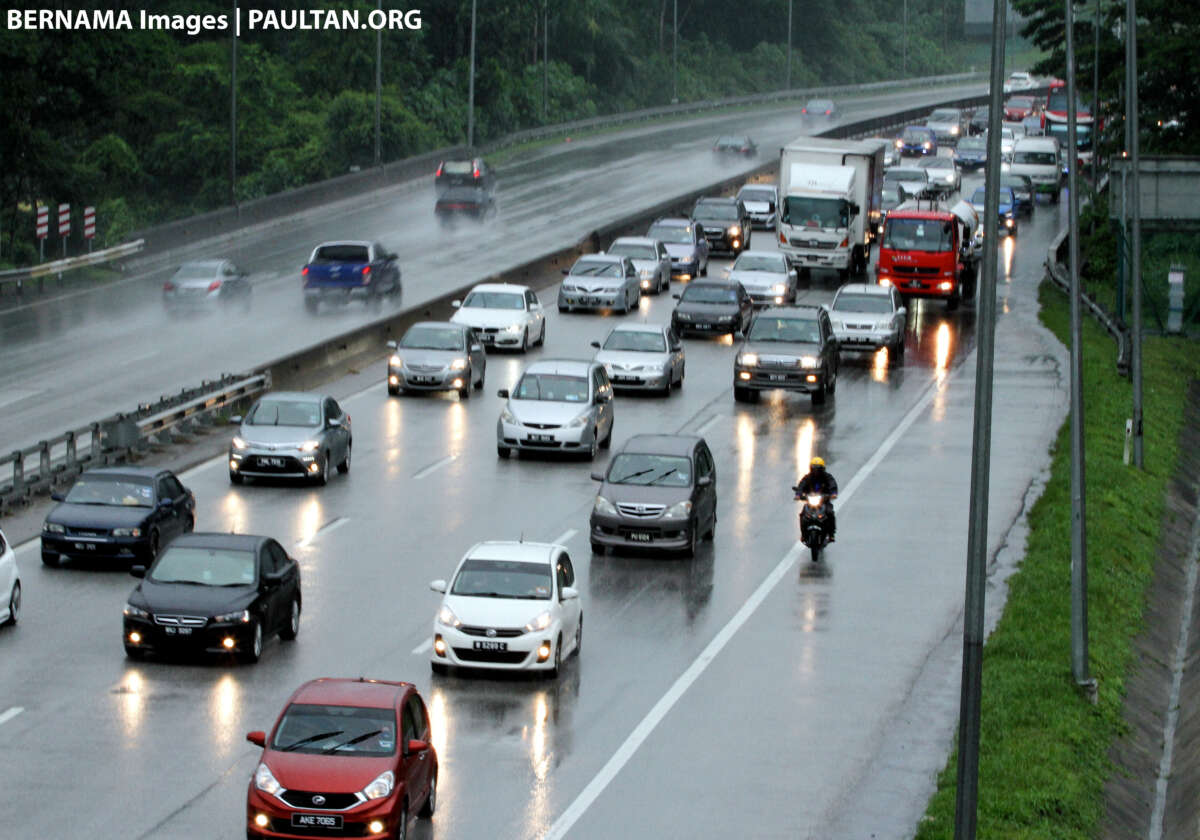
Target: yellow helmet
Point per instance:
(817, 462)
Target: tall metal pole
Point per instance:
(233, 111)
(545, 57)
(1135, 201)
(971, 698)
(378, 86)
(904, 53)
(675, 53)
(1079, 617)
(1095, 96)
(789, 48)
(471, 86)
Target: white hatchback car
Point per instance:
(510, 606)
(10, 582)
(503, 315)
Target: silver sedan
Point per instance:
(600, 281)
(436, 356)
(765, 276)
(291, 435)
(944, 177)
(642, 357)
(649, 257)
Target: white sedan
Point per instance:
(510, 606)
(10, 582)
(503, 315)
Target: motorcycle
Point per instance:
(814, 522)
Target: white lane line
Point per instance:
(436, 465)
(662, 708)
(704, 427)
(564, 537)
(8, 715)
(332, 525)
(423, 647)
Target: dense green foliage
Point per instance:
(1043, 746)
(137, 122)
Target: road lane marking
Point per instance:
(564, 537)
(8, 715)
(704, 427)
(331, 525)
(436, 465)
(423, 647)
(563, 825)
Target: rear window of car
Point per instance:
(458, 167)
(342, 254)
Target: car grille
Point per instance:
(776, 362)
(497, 632)
(499, 657)
(914, 269)
(542, 425)
(850, 326)
(89, 532)
(426, 368)
(640, 511)
(814, 243)
(180, 620)
(333, 801)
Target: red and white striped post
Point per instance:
(89, 226)
(64, 225)
(43, 230)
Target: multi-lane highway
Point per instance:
(745, 692)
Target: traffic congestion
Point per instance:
(514, 475)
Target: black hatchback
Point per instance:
(712, 306)
(726, 223)
(117, 513)
(214, 593)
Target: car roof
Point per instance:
(128, 472)
(300, 396)
(650, 328)
(915, 213)
(519, 550)
(335, 691)
(673, 221)
(716, 199)
(760, 253)
(499, 287)
(633, 240)
(715, 283)
(661, 444)
(202, 263)
(216, 539)
(364, 243)
(936, 162)
(567, 367)
(608, 258)
(450, 324)
(865, 289)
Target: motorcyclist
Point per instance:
(820, 480)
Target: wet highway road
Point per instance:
(66, 363)
(745, 684)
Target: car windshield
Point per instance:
(671, 233)
(344, 730)
(875, 304)
(494, 300)
(650, 470)
(760, 262)
(196, 271)
(597, 268)
(943, 115)
(916, 135)
(503, 579)
(1083, 134)
(305, 413)
(971, 144)
(816, 212)
(638, 341)
(204, 566)
(757, 195)
(791, 330)
(905, 175)
(930, 235)
(715, 210)
(552, 387)
(341, 254)
(97, 490)
(708, 293)
(1035, 158)
(634, 251)
(433, 338)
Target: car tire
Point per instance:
(236, 478)
(393, 392)
(595, 447)
(693, 540)
(323, 474)
(154, 545)
(503, 451)
(135, 653)
(52, 559)
(712, 529)
(818, 396)
(464, 393)
(562, 308)
(14, 604)
(439, 668)
(541, 342)
(525, 340)
(479, 384)
(831, 378)
(249, 657)
(312, 305)
(578, 637)
(599, 548)
(292, 628)
(430, 804)
(556, 668)
(402, 824)
(741, 394)
(344, 467)
(607, 442)
(953, 301)
(666, 389)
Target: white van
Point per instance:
(1041, 159)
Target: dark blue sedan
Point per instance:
(1006, 208)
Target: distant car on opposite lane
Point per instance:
(735, 144)
(338, 272)
(503, 315)
(207, 285)
(649, 257)
(436, 356)
(291, 434)
(685, 242)
(558, 405)
(820, 108)
(1019, 80)
(600, 281)
(473, 172)
(642, 357)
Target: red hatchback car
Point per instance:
(333, 767)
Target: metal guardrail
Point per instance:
(113, 440)
(16, 277)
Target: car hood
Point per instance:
(277, 435)
(780, 349)
(644, 265)
(590, 283)
(327, 773)
(495, 612)
(875, 318)
(191, 598)
(414, 356)
(758, 279)
(680, 249)
(480, 317)
(707, 309)
(715, 224)
(545, 411)
(641, 494)
(98, 516)
(630, 359)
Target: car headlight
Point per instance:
(239, 443)
(381, 786)
(241, 615)
(135, 612)
(54, 528)
(539, 622)
(265, 780)
(837, 325)
(779, 288)
(683, 316)
(690, 258)
(808, 361)
(458, 364)
(127, 532)
(899, 144)
(652, 368)
(309, 446)
(579, 421)
(514, 328)
(954, 129)
(507, 416)
(447, 617)
(735, 230)
(394, 360)
(646, 273)
(679, 510)
(603, 505)
(747, 359)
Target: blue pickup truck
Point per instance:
(339, 271)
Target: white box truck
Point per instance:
(829, 201)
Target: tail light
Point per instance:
(475, 173)
(803, 110)
(827, 111)
(782, 239)
(304, 271)
(214, 285)
(438, 174)
(745, 148)
(366, 270)
(168, 286)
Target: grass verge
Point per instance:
(1044, 748)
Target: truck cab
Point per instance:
(928, 251)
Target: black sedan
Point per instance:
(712, 307)
(474, 203)
(740, 144)
(117, 513)
(214, 593)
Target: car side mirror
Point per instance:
(502, 393)
(596, 344)
(455, 303)
(165, 503)
(569, 593)
(675, 296)
(415, 746)
(236, 418)
(137, 571)
(476, 348)
(566, 271)
(597, 476)
(58, 497)
(704, 481)
(902, 311)
(438, 585)
(257, 737)
(391, 345)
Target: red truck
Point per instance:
(930, 251)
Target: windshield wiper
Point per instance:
(352, 741)
(320, 736)
(626, 478)
(657, 479)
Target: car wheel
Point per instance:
(562, 308)
(153, 544)
(541, 342)
(479, 384)
(249, 657)
(525, 340)
(344, 467)
(556, 668)
(953, 301)
(607, 442)
(578, 636)
(430, 800)
(595, 447)
(402, 824)
(503, 451)
(393, 392)
(190, 526)
(236, 478)
(712, 529)
(741, 394)
(14, 604)
(290, 632)
(52, 559)
(464, 393)
(693, 540)
(666, 388)
(818, 396)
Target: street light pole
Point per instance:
(233, 110)
(545, 57)
(904, 54)
(471, 86)
(789, 63)
(675, 53)
(1095, 95)
(1135, 234)
(378, 85)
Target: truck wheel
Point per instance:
(953, 301)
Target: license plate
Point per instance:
(640, 536)
(591, 301)
(273, 462)
(490, 645)
(178, 631)
(316, 821)
(703, 326)
(85, 546)
(542, 438)
(914, 284)
(632, 380)
(777, 377)
(424, 380)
